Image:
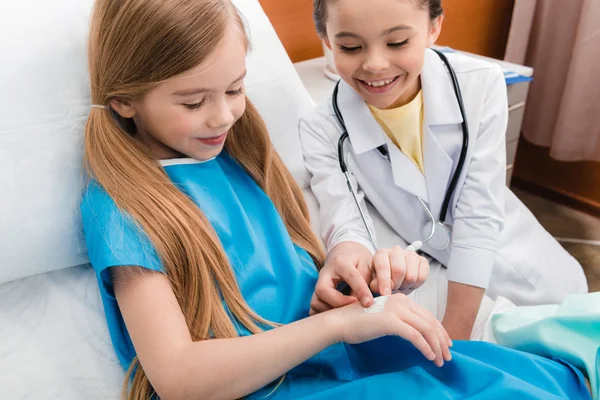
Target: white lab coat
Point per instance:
(496, 243)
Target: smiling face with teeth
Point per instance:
(379, 47)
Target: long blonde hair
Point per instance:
(134, 45)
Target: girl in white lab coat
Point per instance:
(404, 123)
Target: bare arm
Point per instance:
(463, 305)
(179, 368)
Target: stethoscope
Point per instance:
(440, 233)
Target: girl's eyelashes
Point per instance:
(398, 45)
(236, 92)
(354, 49)
(347, 49)
(195, 106)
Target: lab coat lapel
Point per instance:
(440, 108)
(439, 99)
(438, 166)
(366, 135)
(406, 174)
(364, 131)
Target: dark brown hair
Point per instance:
(320, 12)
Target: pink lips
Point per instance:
(380, 89)
(214, 141)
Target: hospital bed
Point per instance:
(54, 342)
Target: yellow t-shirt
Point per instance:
(404, 126)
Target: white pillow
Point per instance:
(44, 102)
(54, 342)
(276, 89)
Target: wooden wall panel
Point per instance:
(477, 26)
(574, 184)
(292, 19)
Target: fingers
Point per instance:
(406, 270)
(353, 277)
(412, 270)
(420, 327)
(411, 334)
(417, 273)
(318, 306)
(350, 273)
(428, 332)
(383, 272)
(447, 336)
(366, 273)
(423, 273)
(409, 270)
(326, 293)
(398, 265)
(437, 328)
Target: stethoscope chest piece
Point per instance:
(441, 235)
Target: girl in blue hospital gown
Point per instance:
(277, 279)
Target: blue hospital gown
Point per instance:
(277, 279)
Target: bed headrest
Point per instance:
(44, 103)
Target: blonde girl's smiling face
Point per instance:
(191, 115)
(379, 46)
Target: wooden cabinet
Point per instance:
(477, 26)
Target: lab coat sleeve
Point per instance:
(479, 212)
(339, 218)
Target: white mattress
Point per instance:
(54, 343)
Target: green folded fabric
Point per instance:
(569, 331)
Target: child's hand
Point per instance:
(347, 262)
(398, 269)
(389, 270)
(399, 316)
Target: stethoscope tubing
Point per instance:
(415, 246)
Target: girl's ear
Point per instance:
(123, 107)
(435, 30)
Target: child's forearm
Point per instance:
(461, 309)
(232, 368)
